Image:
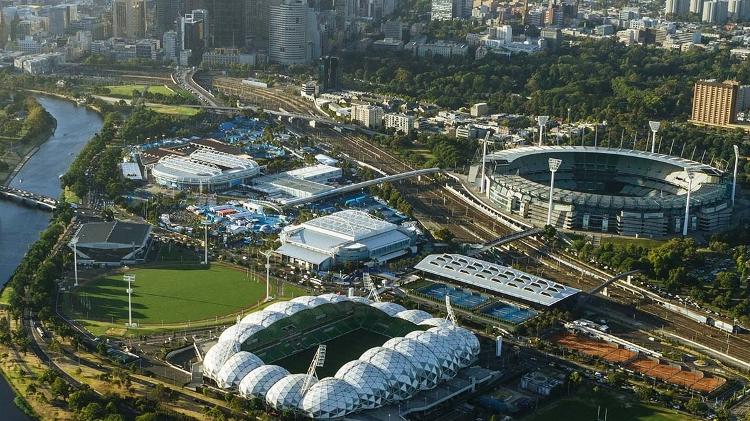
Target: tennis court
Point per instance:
(459, 297)
(509, 313)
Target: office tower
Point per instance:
(167, 12)
(294, 37)
(128, 19)
(696, 6)
(256, 22)
(677, 7)
(171, 45)
(442, 10)
(193, 28)
(227, 23)
(715, 102)
(715, 12)
(329, 74)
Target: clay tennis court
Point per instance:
(693, 380)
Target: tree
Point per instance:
(91, 412)
(443, 234)
(59, 388)
(695, 406)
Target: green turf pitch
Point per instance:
(339, 351)
(170, 295)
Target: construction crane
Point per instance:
(318, 361)
(369, 284)
(451, 317)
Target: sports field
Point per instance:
(126, 91)
(177, 110)
(584, 405)
(171, 295)
(339, 351)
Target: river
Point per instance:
(20, 226)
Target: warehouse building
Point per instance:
(343, 237)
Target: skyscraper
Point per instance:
(442, 10)
(227, 23)
(715, 12)
(294, 37)
(256, 22)
(329, 74)
(677, 7)
(714, 102)
(696, 6)
(166, 14)
(128, 19)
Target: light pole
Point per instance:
(484, 162)
(74, 241)
(205, 241)
(268, 253)
(736, 162)
(654, 125)
(690, 176)
(542, 120)
(130, 279)
(554, 164)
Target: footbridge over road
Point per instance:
(359, 186)
(28, 198)
(505, 239)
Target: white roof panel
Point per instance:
(495, 278)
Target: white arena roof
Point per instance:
(350, 224)
(495, 278)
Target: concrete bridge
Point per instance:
(28, 198)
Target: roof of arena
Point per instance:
(496, 278)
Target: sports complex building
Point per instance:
(378, 354)
(341, 237)
(625, 192)
(111, 243)
(201, 164)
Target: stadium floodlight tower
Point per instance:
(205, 224)
(130, 278)
(484, 161)
(734, 180)
(554, 165)
(74, 242)
(369, 284)
(542, 120)
(451, 317)
(268, 254)
(318, 361)
(690, 177)
(654, 125)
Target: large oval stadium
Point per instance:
(379, 354)
(619, 191)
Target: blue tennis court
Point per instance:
(459, 297)
(510, 313)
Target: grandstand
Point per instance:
(627, 192)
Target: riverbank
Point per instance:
(20, 153)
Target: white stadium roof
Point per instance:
(495, 278)
(352, 225)
(383, 375)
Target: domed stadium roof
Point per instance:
(330, 398)
(263, 318)
(361, 300)
(236, 368)
(457, 343)
(217, 356)
(371, 383)
(402, 375)
(239, 332)
(286, 307)
(422, 358)
(390, 309)
(285, 393)
(440, 347)
(257, 382)
(471, 339)
(309, 301)
(334, 298)
(414, 316)
(435, 321)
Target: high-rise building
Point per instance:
(370, 116)
(677, 7)
(167, 12)
(60, 17)
(696, 6)
(128, 19)
(256, 22)
(329, 74)
(227, 23)
(171, 46)
(715, 12)
(451, 9)
(193, 30)
(714, 102)
(294, 36)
